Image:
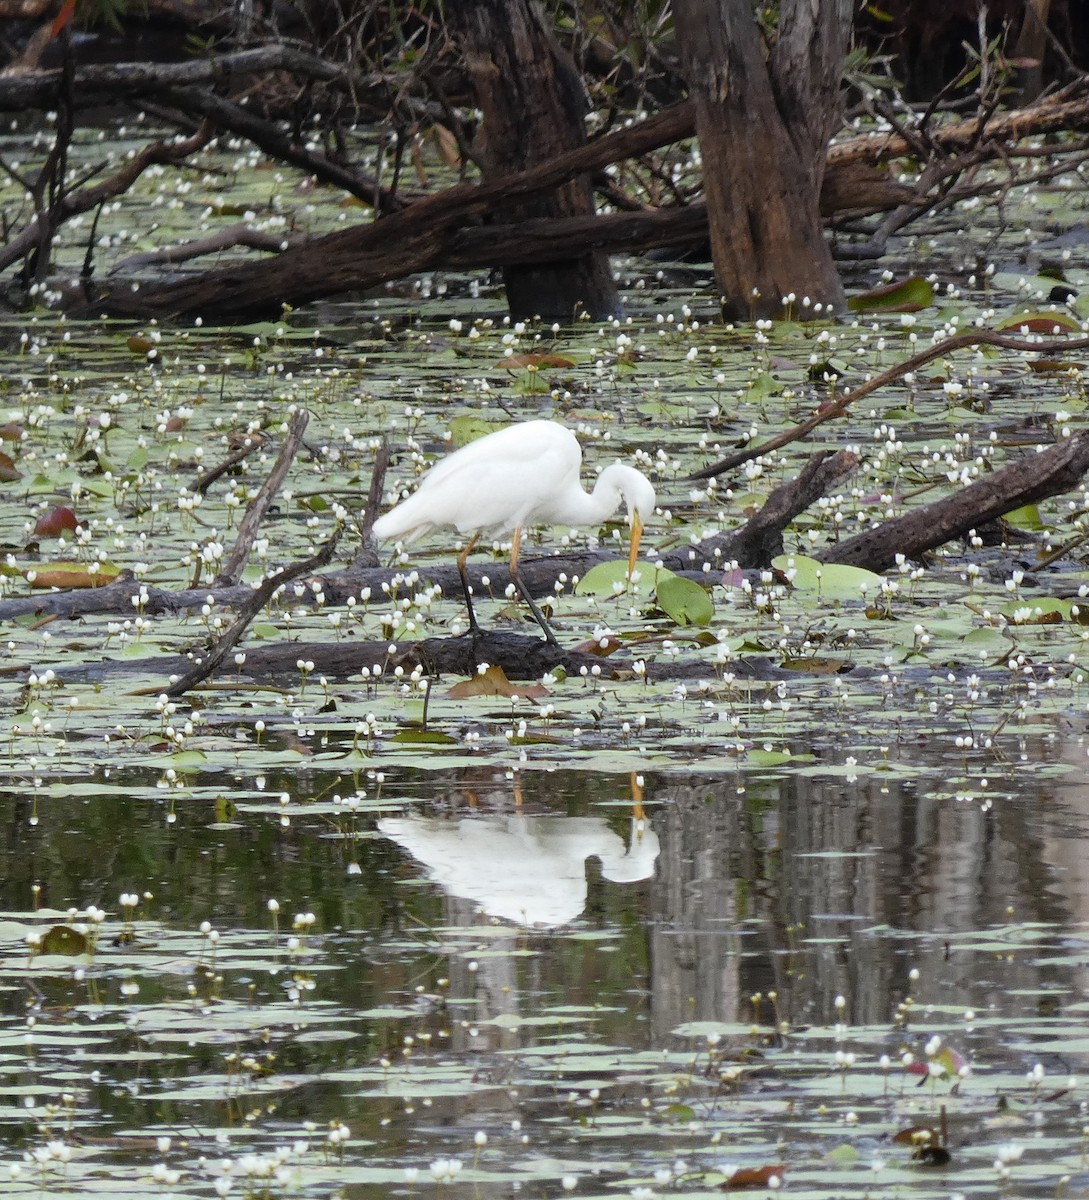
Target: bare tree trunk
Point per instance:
(763, 122)
(1030, 48)
(534, 107)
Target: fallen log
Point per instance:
(751, 545)
(368, 255)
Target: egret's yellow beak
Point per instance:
(636, 534)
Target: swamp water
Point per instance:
(812, 913)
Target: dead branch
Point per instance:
(105, 83)
(90, 197)
(234, 235)
(898, 371)
(203, 482)
(367, 556)
(231, 570)
(1035, 477)
(401, 244)
(271, 139)
(210, 662)
(1067, 109)
(760, 539)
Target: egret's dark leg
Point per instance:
(516, 576)
(462, 558)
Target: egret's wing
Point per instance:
(492, 485)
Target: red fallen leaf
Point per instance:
(55, 522)
(176, 424)
(600, 647)
(534, 360)
(140, 345)
(1041, 322)
(745, 1177)
(63, 17)
(10, 432)
(9, 472)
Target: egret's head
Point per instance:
(637, 492)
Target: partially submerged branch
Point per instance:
(1058, 469)
(208, 663)
(231, 570)
(836, 409)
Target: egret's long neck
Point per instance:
(589, 508)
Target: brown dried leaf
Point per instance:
(515, 361)
(494, 682)
(71, 575)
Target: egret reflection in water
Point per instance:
(527, 869)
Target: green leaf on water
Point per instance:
(1025, 517)
(774, 758)
(909, 295)
(678, 1112)
(609, 578)
(1039, 610)
(423, 737)
(684, 600)
(467, 428)
(831, 581)
(763, 386)
(63, 939)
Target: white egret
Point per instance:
(520, 476)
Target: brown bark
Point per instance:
(534, 108)
(763, 124)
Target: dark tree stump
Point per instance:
(764, 120)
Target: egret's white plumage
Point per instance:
(522, 475)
